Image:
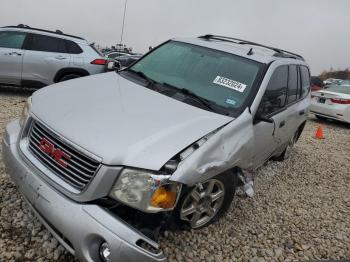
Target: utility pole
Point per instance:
(121, 36)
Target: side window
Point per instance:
(12, 39)
(46, 44)
(274, 98)
(72, 48)
(305, 81)
(292, 84)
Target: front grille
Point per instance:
(78, 170)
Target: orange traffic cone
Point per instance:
(319, 133)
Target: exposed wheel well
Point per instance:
(69, 71)
(300, 130)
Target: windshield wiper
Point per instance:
(149, 80)
(207, 103)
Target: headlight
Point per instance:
(146, 191)
(25, 111)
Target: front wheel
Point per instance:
(206, 202)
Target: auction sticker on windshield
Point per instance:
(235, 85)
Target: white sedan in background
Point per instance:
(332, 103)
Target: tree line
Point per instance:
(339, 74)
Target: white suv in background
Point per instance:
(34, 57)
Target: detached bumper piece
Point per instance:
(89, 232)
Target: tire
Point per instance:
(69, 77)
(197, 208)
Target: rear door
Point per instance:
(11, 56)
(293, 99)
(297, 101)
(270, 136)
(76, 53)
(44, 57)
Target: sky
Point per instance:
(316, 29)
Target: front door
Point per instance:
(270, 136)
(11, 56)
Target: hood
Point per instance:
(122, 122)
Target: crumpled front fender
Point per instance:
(230, 147)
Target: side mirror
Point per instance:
(113, 65)
(263, 118)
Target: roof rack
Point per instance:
(278, 52)
(57, 32)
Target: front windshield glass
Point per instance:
(220, 77)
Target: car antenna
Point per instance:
(250, 52)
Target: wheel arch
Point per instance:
(70, 70)
(300, 130)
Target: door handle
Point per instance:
(282, 124)
(302, 112)
(13, 53)
(60, 57)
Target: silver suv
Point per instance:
(34, 57)
(106, 161)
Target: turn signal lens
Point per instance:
(163, 198)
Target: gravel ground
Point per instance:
(301, 210)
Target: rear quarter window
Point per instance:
(72, 48)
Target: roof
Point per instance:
(57, 32)
(244, 48)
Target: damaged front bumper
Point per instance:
(80, 228)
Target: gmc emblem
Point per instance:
(48, 148)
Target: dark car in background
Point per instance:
(316, 83)
(127, 60)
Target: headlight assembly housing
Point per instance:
(25, 111)
(146, 191)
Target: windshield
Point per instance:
(340, 89)
(220, 77)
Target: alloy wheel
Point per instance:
(203, 203)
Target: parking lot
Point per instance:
(301, 210)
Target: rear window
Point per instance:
(46, 44)
(340, 89)
(96, 50)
